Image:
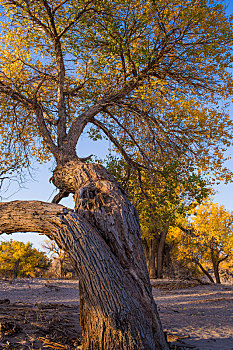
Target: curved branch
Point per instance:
(79, 124)
(44, 130)
(129, 133)
(59, 196)
(117, 144)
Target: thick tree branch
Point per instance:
(116, 143)
(104, 280)
(129, 133)
(86, 117)
(79, 124)
(222, 259)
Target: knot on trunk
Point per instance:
(74, 175)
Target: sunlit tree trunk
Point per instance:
(203, 270)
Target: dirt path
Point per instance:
(42, 314)
(202, 314)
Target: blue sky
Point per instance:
(41, 189)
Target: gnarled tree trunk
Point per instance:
(102, 238)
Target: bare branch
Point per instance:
(129, 133)
(59, 196)
(15, 95)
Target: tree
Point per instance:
(208, 239)
(18, 259)
(56, 252)
(155, 70)
(61, 257)
(162, 199)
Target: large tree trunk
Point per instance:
(102, 238)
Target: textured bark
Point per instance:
(102, 238)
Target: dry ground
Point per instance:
(42, 314)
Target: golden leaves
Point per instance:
(208, 229)
(167, 60)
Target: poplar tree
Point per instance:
(156, 70)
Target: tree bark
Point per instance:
(102, 238)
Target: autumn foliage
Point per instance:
(206, 239)
(159, 70)
(18, 259)
(152, 77)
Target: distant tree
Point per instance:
(18, 259)
(65, 264)
(162, 197)
(56, 253)
(206, 239)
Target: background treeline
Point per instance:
(20, 260)
(184, 234)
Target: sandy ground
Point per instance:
(195, 317)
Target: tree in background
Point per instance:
(18, 259)
(162, 198)
(58, 255)
(207, 238)
(152, 72)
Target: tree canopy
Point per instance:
(151, 72)
(164, 198)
